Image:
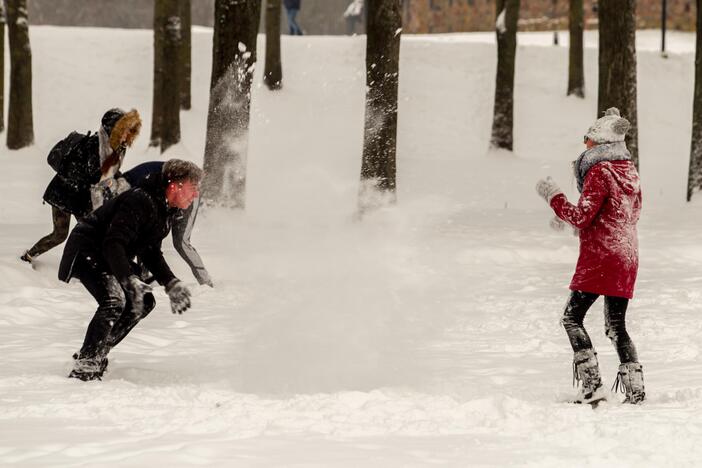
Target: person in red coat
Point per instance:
(605, 218)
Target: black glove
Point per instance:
(179, 296)
(136, 289)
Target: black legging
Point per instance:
(62, 222)
(615, 323)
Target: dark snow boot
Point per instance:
(630, 381)
(87, 369)
(586, 376)
(25, 257)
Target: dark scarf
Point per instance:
(605, 152)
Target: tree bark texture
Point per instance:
(172, 74)
(694, 179)
(2, 65)
(503, 115)
(273, 72)
(379, 167)
(576, 69)
(160, 18)
(617, 65)
(20, 126)
(233, 62)
(186, 19)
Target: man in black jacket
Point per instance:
(182, 221)
(99, 253)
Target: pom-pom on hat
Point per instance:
(608, 129)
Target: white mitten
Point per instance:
(547, 189)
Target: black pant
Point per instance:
(62, 221)
(114, 317)
(615, 324)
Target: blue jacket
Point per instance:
(291, 4)
(138, 174)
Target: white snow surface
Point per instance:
(426, 335)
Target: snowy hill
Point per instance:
(426, 335)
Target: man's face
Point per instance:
(181, 194)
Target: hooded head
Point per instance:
(118, 130)
(610, 128)
(121, 127)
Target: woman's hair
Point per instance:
(177, 170)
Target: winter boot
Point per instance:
(26, 257)
(586, 375)
(630, 381)
(87, 369)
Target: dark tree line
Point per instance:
(503, 113)
(694, 179)
(233, 59)
(576, 69)
(617, 65)
(20, 126)
(379, 167)
(186, 21)
(2, 65)
(172, 70)
(273, 73)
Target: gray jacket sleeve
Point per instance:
(182, 227)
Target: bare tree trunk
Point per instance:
(576, 69)
(20, 126)
(617, 65)
(379, 167)
(186, 54)
(2, 65)
(273, 73)
(694, 179)
(233, 60)
(172, 70)
(503, 116)
(157, 104)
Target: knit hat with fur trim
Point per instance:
(608, 129)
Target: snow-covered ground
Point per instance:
(427, 335)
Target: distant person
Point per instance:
(292, 8)
(81, 161)
(353, 16)
(99, 252)
(605, 216)
(182, 221)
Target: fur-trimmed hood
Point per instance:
(118, 131)
(606, 152)
(125, 129)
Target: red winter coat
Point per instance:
(606, 215)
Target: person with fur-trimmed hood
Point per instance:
(81, 161)
(99, 252)
(605, 217)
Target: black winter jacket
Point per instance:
(292, 4)
(70, 189)
(132, 224)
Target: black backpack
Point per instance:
(62, 151)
